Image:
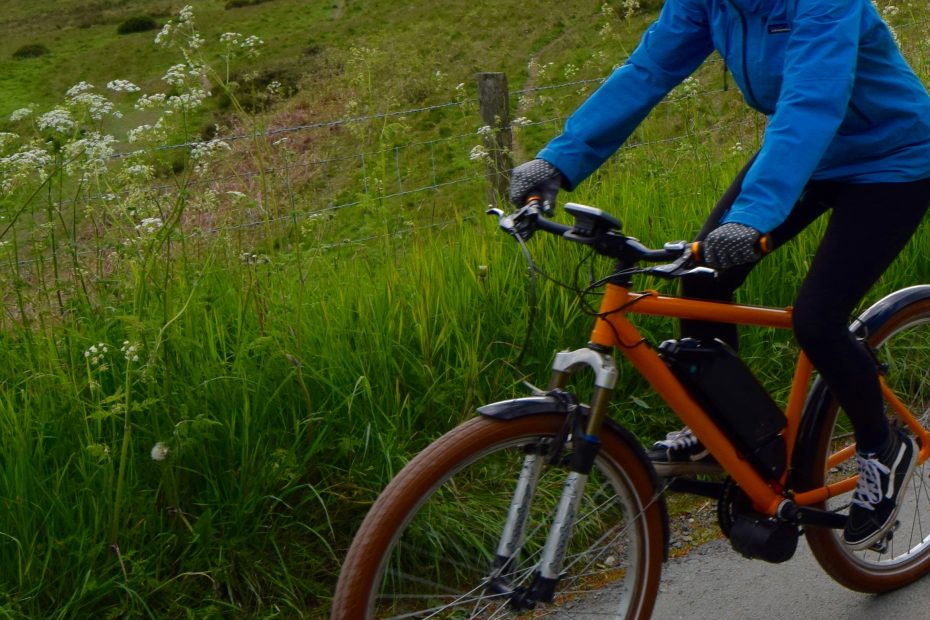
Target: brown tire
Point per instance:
(430, 538)
(902, 341)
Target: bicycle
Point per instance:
(544, 505)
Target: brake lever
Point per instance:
(682, 266)
(509, 223)
(504, 220)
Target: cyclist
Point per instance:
(848, 132)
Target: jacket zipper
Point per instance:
(742, 19)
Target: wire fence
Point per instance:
(391, 172)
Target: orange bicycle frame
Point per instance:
(614, 330)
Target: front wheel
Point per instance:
(427, 547)
(902, 342)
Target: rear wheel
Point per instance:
(903, 345)
(428, 545)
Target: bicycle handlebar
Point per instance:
(602, 232)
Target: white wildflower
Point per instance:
(148, 102)
(186, 15)
(195, 41)
(164, 34)
(252, 42)
(20, 114)
(208, 150)
(250, 258)
(130, 351)
(91, 152)
(186, 101)
(149, 225)
(487, 130)
(22, 165)
(521, 121)
(231, 39)
(152, 133)
(629, 8)
(122, 86)
(177, 75)
(81, 88)
(479, 153)
(95, 353)
(159, 451)
(141, 172)
(96, 106)
(58, 120)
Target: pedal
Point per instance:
(881, 545)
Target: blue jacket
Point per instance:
(841, 100)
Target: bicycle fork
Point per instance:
(585, 444)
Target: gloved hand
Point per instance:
(536, 177)
(729, 245)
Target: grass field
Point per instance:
(208, 373)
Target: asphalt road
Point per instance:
(713, 582)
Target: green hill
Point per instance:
(228, 322)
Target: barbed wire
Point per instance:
(433, 187)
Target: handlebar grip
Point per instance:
(764, 245)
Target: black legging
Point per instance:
(869, 225)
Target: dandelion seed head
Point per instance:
(159, 451)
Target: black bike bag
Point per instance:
(719, 381)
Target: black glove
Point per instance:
(730, 245)
(535, 178)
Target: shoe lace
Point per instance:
(869, 488)
(676, 440)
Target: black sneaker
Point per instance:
(875, 500)
(681, 454)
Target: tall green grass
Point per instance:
(195, 416)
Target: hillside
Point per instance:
(242, 286)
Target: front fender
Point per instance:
(819, 399)
(548, 403)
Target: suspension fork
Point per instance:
(586, 444)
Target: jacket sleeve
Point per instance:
(673, 47)
(819, 72)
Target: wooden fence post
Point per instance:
(494, 105)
